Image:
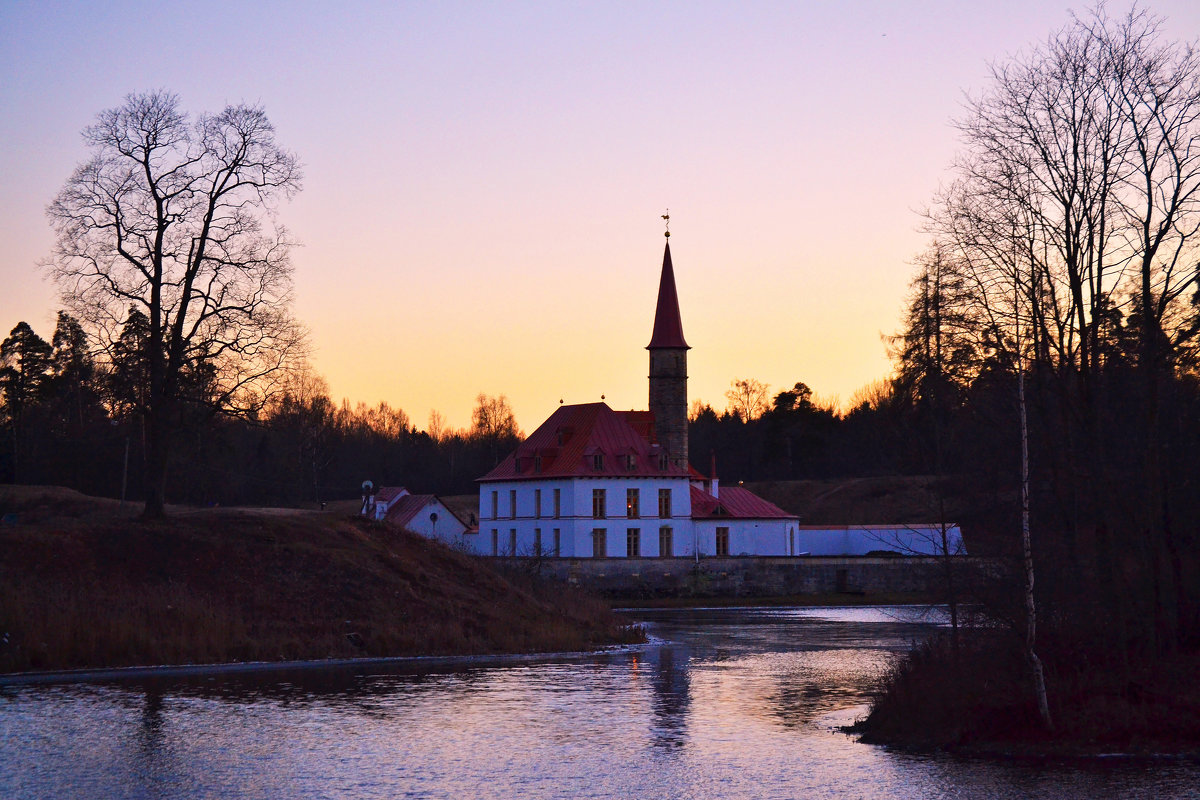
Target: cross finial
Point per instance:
(667, 217)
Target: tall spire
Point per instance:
(668, 327)
(668, 369)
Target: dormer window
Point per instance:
(598, 462)
(537, 463)
(663, 462)
(630, 462)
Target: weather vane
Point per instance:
(667, 217)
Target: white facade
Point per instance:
(437, 521)
(571, 513)
(598, 517)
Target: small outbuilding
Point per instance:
(425, 514)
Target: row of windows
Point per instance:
(599, 504)
(628, 461)
(554, 549)
(596, 461)
(633, 503)
(633, 542)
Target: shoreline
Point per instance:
(107, 674)
(102, 674)
(828, 600)
(1060, 752)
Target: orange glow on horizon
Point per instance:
(484, 184)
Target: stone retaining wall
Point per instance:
(750, 576)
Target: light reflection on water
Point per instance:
(731, 703)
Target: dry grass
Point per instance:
(83, 585)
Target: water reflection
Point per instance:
(671, 696)
(726, 703)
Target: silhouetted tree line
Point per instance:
(71, 420)
(1061, 288)
(789, 436)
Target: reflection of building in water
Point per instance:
(671, 696)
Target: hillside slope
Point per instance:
(84, 584)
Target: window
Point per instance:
(537, 463)
(512, 541)
(537, 542)
(664, 503)
(633, 542)
(663, 462)
(722, 541)
(599, 543)
(664, 542)
(495, 542)
(557, 503)
(495, 505)
(631, 503)
(537, 503)
(598, 462)
(598, 511)
(630, 462)
(512, 503)
(557, 542)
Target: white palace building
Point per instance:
(594, 482)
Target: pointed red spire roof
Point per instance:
(668, 327)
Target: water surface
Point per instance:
(722, 703)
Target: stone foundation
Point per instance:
(756, 576)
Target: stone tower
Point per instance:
(668, 368)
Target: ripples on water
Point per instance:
(729, 703)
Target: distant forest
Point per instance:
(73, 419)
(70, 419)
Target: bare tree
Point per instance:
(493, 418)
(174, 218)
(748, 398)
(1156, 90)
(438, 430)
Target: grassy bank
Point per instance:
(982, 700)
(84, 584)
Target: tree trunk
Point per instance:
(155, 470)
(1035, 663)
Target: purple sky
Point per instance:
(484, 182)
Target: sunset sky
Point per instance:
(484, 181)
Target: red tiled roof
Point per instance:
(736, 503)
(668, 327)
(565, 445)
(403, 510)
(386, 494)
(406, 509)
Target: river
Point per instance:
(729, 703)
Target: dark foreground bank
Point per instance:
(84, 584)
(979, 699)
